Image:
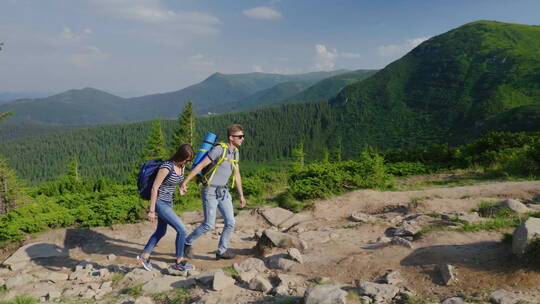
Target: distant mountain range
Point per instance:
(483, 76)
(91, 106)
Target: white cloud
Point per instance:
(325, 59)
(91, 56)
(262, 12)
(68, 34)
(397, 50)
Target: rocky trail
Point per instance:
(355, 248)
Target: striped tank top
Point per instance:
(166, 190)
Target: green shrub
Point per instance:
(406, 168)
(21, 300)
(321, 180)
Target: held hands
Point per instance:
(183, 188)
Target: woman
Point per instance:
(170, 174)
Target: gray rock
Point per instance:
(502, 296)
(160, 284)
(447, 274)
(144, 300)
(260, 283)
(454, 300)
(280, 239)
(294, 220)
(407, 228)
(379, 292)
(228, 295)
(111, 257)
(279, 261)
(524, 234)
(325, 294)
(34, 251)
(396, 240)
(53, 276)
(140, 275)
(360, 217)
(534, 207)
(515, 206)
(18, 281)
(207, 277)
(249, 264)
(246, 276)
(276, 216)
(295, 255)
(221, 280)
(393, 278)
(53, 294)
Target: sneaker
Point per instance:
(188, 251)
(182, 266)
(145, 263)
(227, 255)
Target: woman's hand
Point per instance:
(151, 216)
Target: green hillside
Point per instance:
(266, 97)
(328, 88)
(445, 87)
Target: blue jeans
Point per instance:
(167, 216)
(212, 199)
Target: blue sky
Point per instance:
(137, 47)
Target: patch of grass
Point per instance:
(435, 214)
(353, 297)
(135, 290)
(429, 229)
(492, 224)
(176, 296)
(230, 271)
(348, 226)
(508, 238)
(417, 299)
(466, 196)
(3, 289)
(22, 299)
(116, 277)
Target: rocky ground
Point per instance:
(356, 248)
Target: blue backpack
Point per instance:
(146, 177)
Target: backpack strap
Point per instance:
(223, 158)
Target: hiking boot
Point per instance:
(182, 266)
(227, 255)
(145, 263)
(188, 251)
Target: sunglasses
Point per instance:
(239, 136)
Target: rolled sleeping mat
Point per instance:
(206, 145)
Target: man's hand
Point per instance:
(243, 202)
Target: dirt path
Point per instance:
(338, 249)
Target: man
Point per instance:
(215, 194)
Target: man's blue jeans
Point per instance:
(167, 216)
(214, 198)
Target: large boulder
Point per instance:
(34, 251)
(379, 292)
(325, 294)
(276, 216)
(523, 235)
(515, 206)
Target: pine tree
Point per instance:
(10, 188)
(73, 168)
(299, 155)
(155, 147)
(337, 151)
(185, 134)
